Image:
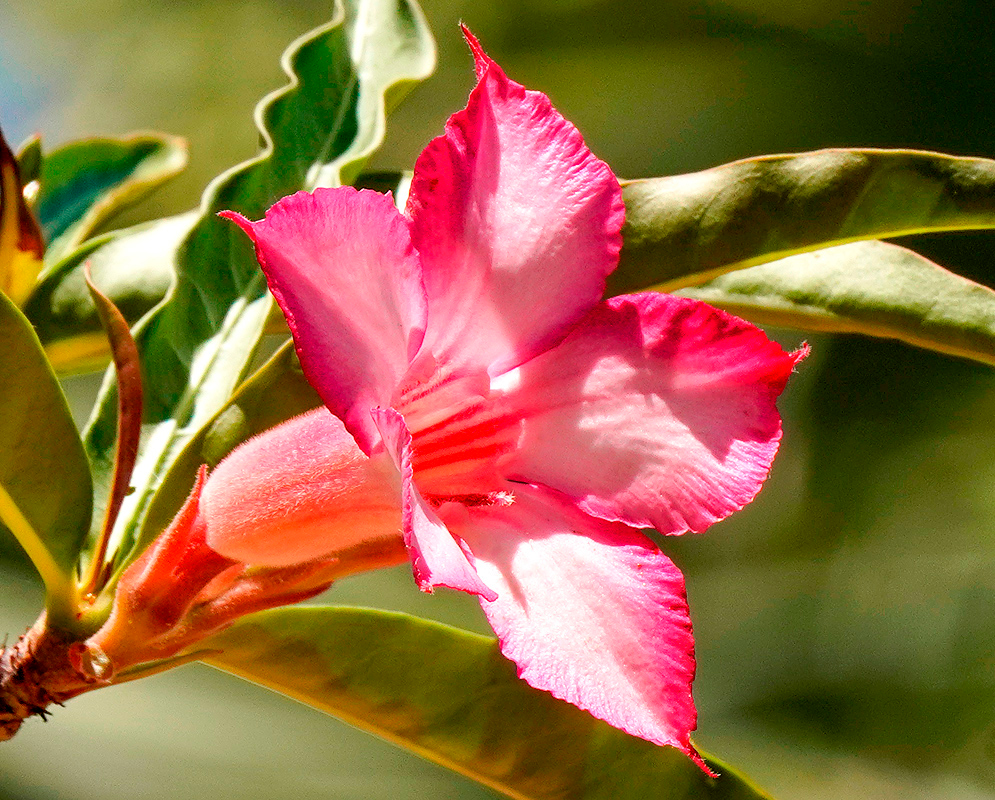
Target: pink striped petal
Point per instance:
(589, 610)
(517, 224)
(656, 411)
(437, 558)
(341, 265)
(300, 491)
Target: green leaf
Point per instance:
(198, 346)
(449, 696)
(43, 468)
(134, 266)
(393, 51)
(686, 229)
(873, 288)
(85, 182)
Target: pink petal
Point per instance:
(589, 610)
(437, 558)
(656, 411)
(341, 265)
(517, 224)
(300, 491)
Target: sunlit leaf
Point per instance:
(686, 229)
(134, 267)
(874, 288)
(392, 51)
(449, 696)
(198, 346)
(21, 245)
(43, 468)
(83, 183)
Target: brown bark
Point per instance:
(36, 672)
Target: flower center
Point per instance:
(459, 430)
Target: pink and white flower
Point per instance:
(516, 430)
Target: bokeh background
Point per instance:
(845, 622)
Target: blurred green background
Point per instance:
(845, 622)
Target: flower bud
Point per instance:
(302, 494)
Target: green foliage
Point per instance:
(42, 464)
(83, 183)
(133, 266)
(686, 229)
(198, 345)
(874, 288)
(451, 697)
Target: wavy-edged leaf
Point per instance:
(83, 183)
(449, 696)
(393, 51)
(874, 288)
(43, 468)
(686, 229)
(134, 267)
(21, 245)
(197, 347)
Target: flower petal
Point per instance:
(300, 491)
(437, 558)
(656, 411)
(341, 265)
(589, 610)
(517, 224)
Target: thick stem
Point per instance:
(49, 665)
(36, 672)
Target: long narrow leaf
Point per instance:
(874, 288)
(449, 696)
(127, 370)
(43, 468)
(686, 229)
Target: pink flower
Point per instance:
(513, 428)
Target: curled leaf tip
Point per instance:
(129, 379)
(21, 242)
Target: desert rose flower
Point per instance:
(486, 408)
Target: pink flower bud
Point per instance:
(301, 491)
(302, 494)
